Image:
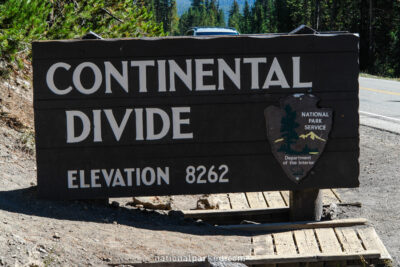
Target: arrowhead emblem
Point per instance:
(298, 132)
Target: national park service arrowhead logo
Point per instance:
(298, 132)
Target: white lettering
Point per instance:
(186, 78)
(50, 78)
(177, 122)
(234, 76)
(71, 137)
(201, 73)
(162, 175)
(117, 129)
(76, 78)
(275, 69)
(296, 75)
(254, 70)
(94, 177)
(72, 178)
(145, 176)
(151, 135)
(142, 73)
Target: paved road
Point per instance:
(380, 104)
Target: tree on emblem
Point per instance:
(288, 130)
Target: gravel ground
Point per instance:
(79, 233)
(379, 191)
(46, 233)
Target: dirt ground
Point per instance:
(46, 233)
(379, 191)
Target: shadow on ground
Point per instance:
(24, 201)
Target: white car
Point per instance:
(201, 31)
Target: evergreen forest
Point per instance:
(376, 21)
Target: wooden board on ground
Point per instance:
(335, 246)
(268, 206)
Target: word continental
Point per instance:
(195, 74)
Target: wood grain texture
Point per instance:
(274, 199)
(372, 241)
(238, 201)
(297, 225)
(285, 244)
(328, 241)
(306, 241)
(263, 245)
(228, 124)
(349, 240)
(256, 200)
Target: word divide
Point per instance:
(144, 123)
(207, 74)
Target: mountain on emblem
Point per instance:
(298, 132)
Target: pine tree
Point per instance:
(245, 22)
(234, 16)
(284, 23)
(201, 13)
(288, 130)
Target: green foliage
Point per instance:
(165, 12)
(201, 13)
(235, 17)
(20, 22)
(245, 23)
(377, 22)
(23, 21)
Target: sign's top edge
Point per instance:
(256, 36)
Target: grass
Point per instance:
(27, 142)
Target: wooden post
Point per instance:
(305, 205)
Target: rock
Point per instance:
(42, 250)
(206, 204)
(330, 212)
(157, 203)
(115, 204)
(56, 236)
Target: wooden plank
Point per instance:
(349, 240)
(256, 200)
(274, 199)
(372, 241)
(284, 243)
(285, 196)
(296, 225)
(314, 264)
(306, 241)
(222, 200)
(292, 264)
(263, 245)
(338, 263)
(334, 256)
(328, 241)
(261, 259)
(243, 212)
(238, 201)
(236, 216)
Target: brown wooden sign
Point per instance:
(159, 116)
